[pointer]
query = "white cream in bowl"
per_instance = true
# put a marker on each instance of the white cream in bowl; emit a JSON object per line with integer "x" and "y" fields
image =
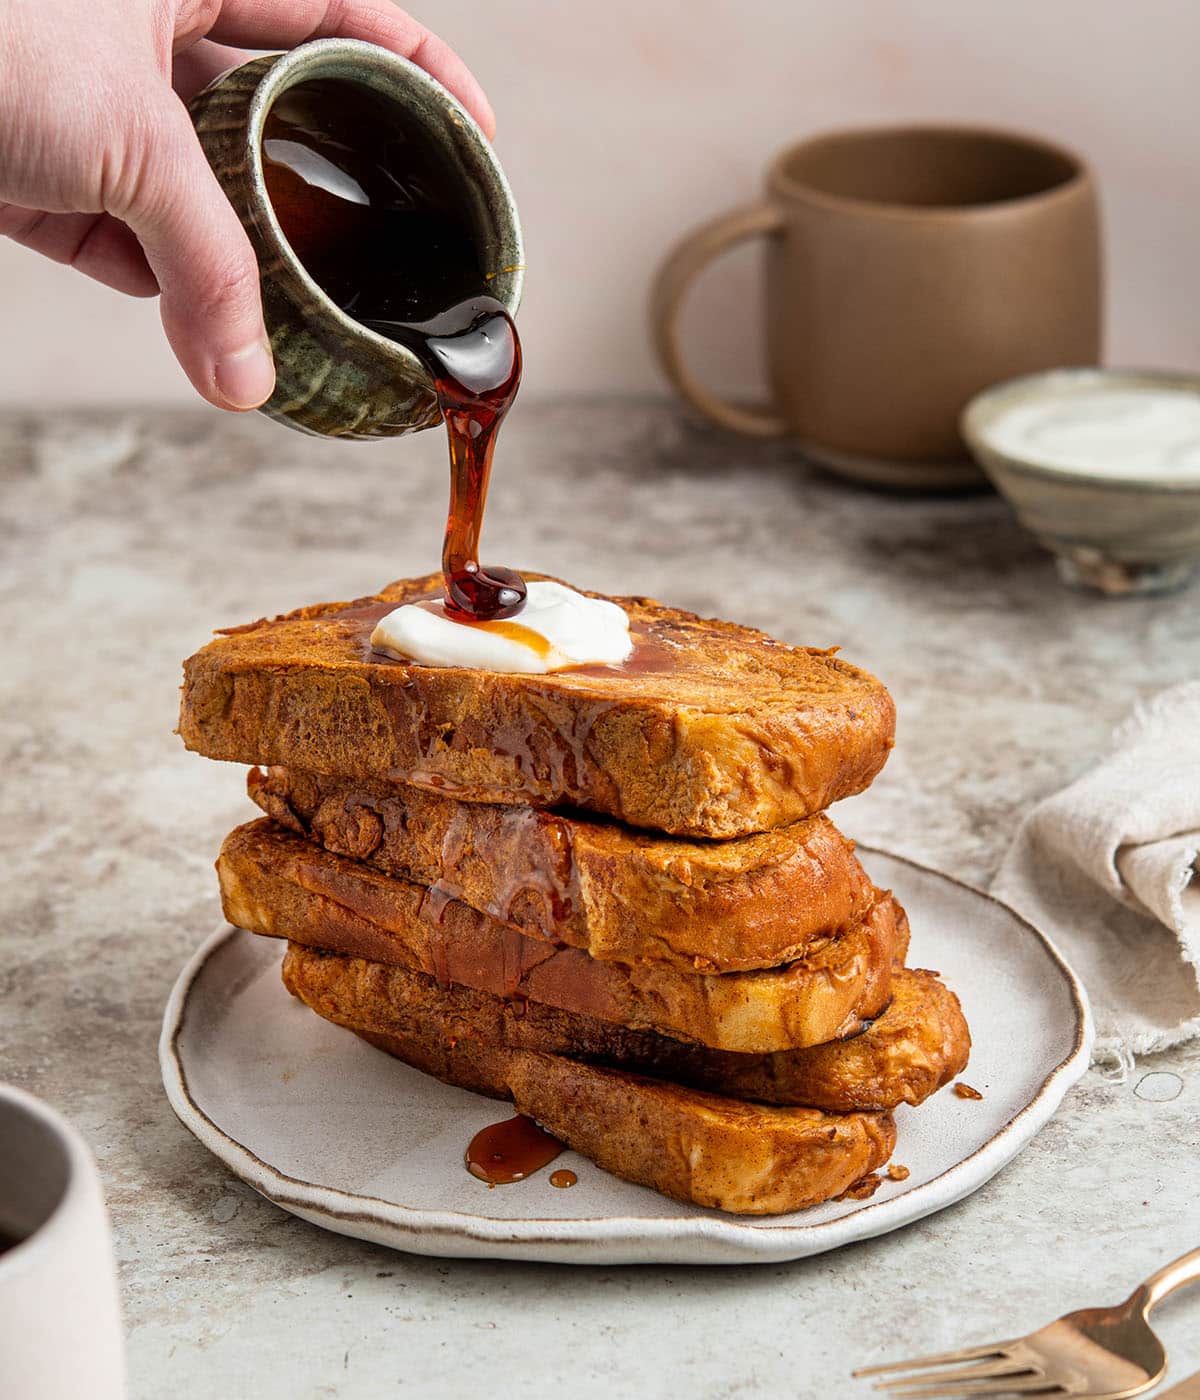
{"x": 1143, "y": 430}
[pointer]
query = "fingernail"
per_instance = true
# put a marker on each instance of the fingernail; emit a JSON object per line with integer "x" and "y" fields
{"x": 246, "y": 377}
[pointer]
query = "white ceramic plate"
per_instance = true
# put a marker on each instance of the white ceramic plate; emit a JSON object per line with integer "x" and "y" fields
{"x": 349, "y": 1138}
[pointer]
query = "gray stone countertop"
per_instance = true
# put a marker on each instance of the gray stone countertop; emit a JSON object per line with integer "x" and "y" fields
{"x": 128, "y": 536}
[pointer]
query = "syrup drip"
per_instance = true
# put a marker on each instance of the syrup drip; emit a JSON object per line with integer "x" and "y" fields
{"x": 523, "y": 636}
{"x": 511, "y": 1151}
{"x": 371, "y": 209}
{"x": 563, "y": 1178}
{"x": 474, "y": 355}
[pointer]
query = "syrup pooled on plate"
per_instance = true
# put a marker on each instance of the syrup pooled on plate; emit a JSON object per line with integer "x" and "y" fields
{"x": 510, "y": 1151}
{"x": 367, "y": 204}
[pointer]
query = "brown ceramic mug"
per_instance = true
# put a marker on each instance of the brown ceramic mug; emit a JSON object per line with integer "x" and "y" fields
{"x": 907, "y": 268}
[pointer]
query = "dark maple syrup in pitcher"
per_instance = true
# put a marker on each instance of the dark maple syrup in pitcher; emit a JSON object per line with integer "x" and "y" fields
{"x": 372, "y": 210}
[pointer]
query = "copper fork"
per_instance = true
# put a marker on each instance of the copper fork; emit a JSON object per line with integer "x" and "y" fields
{"x": 1097, "y": 1353}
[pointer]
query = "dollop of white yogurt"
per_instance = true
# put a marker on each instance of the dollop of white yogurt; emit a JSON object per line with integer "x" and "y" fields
{"x": 1144, "y": 431}
{"x": 556, "y": 629}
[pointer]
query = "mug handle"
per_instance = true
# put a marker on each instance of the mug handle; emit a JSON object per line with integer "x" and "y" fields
{"x": 674, "y": 280}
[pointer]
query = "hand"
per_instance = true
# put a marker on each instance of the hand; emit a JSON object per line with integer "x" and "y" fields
{"x": 100, "y": 167}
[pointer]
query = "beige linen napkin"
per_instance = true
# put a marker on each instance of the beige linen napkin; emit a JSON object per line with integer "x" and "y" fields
{"x": 1108, "y": 869}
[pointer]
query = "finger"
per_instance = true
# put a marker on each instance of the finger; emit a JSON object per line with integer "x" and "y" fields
{"x": 195, "y": 67}
{"x": 96, "y": 244}
{"x": 267, "y": 24}
{"x": 199, "y": 252}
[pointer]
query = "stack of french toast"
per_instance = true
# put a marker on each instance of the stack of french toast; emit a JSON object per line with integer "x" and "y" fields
{"x": 609, "y": 894}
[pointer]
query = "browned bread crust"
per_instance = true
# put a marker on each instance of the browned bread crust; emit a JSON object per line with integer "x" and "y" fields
{"x": 710, "y": 730}
{"x": 918, "y": 1044}
{"x": 621, "y": 895}
{"x": 744, "y": 1158}
{"x": 275, "y": 883}
{"x": 748, "y": 1159}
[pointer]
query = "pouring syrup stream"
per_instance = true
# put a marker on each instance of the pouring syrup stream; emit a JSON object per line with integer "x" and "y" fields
{"x": 376, "y": 216}
{"x": 474, "y": 355}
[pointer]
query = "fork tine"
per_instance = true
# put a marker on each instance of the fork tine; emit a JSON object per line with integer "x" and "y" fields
{"x": 982, "y": 1370}
{"x": 998, "y": 1385}
{"x": 999, "y": 1350}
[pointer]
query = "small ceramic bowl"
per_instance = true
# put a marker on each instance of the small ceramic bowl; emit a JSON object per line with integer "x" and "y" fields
{"x": 1118, "y": 532}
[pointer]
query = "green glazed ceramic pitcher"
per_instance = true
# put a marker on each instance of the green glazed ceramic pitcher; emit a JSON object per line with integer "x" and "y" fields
{"x": 334, "y": 377}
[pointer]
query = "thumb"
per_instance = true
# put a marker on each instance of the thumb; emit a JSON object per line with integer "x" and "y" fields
{"x": 205, "y": 266}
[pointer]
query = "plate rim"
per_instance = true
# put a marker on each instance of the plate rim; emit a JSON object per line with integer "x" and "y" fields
{"x": 755, "y": 1241}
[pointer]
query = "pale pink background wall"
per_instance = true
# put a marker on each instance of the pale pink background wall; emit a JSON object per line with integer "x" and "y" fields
{"x": 624, "y": 123}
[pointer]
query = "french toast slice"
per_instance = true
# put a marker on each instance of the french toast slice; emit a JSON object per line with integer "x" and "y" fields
{"x": 620, "y": 894}
{"x": 917, "y": 1045}
{"x": 710, "y": 729}
{"x": 748, "y": 1159}
{"x": 279, "y": 884}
